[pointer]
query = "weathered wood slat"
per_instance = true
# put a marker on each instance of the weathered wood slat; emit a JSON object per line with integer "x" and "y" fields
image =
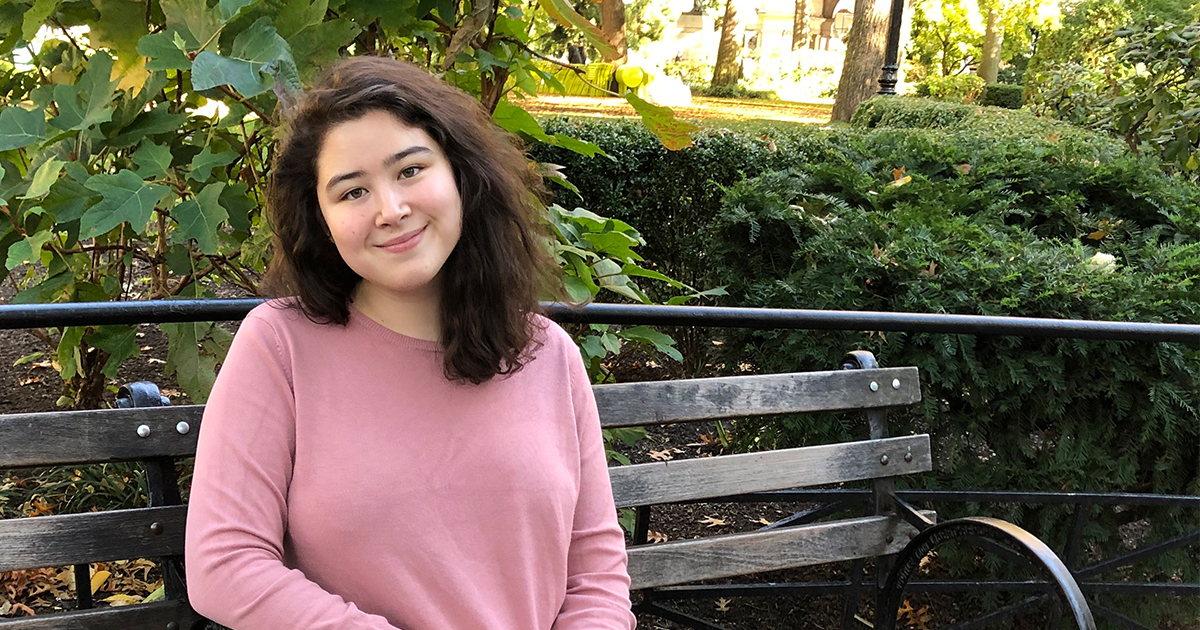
{"x": 634, "y": 404}
{"x": 75, "y": 437}
{"x": 706, "y": 477}
{"x": 739, "y": 554}
{"x": 154, "y": 615}
{"x": 49, "y": 541}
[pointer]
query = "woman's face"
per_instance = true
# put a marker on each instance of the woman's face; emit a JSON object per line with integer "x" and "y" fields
{"x": 388, "y": 194}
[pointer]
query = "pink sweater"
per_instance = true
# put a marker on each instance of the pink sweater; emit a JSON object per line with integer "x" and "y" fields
{"x": 343, "y": 483}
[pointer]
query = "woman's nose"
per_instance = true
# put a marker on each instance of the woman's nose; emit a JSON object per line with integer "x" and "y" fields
{"x": 393, "y": 207}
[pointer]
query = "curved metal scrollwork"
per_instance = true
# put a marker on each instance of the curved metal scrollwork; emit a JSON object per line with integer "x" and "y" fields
{"x": 1035, "y": 551}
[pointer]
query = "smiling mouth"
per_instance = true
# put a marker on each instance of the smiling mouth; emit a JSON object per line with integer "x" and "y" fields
{"x": 404, "y": 242}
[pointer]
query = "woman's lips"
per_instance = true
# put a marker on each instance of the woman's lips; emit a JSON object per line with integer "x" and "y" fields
{"x": 404, "y": 242}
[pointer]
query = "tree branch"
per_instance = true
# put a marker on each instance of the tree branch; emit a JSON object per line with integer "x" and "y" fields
{"x": 227, "y": 91}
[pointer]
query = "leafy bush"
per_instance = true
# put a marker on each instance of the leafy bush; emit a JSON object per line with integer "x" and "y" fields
{"x": 734, "y": 91}
{"x": 1003, "y": 95}
{"x": 1148, "y": 93}
{"x": 958, "y": 88}
{"x": 1003, "y": 412}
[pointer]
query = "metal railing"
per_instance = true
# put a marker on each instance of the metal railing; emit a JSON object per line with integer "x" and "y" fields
{"x": 164, "y": 311}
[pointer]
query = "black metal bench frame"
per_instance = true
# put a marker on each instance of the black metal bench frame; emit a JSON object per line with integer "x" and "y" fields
{"x": 894, "y": 533}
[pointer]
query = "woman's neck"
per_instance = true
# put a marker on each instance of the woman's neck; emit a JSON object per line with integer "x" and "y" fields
{"x": 415, "y": 315}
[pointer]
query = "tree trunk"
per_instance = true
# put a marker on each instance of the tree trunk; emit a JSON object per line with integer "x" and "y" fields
{"x": 612, "y": 24}
{"x": 800, "y": 25}
{"x": 993, "y": 37}
{"x": 864, "y": 57}
{"x": 725, "y": 71}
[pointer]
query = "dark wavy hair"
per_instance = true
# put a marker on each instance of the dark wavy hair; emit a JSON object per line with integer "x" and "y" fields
{"x": 493, "y": 277}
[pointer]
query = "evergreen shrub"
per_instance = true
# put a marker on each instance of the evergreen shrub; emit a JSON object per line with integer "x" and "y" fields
{"x": 992, "y": 212}
{"x": 1003, "y": 95}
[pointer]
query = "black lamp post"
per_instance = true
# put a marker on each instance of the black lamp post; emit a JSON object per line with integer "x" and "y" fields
{"x": 891, "y": 61}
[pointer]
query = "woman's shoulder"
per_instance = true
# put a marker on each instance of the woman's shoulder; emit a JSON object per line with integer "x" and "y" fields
{"x": 280, "y": 317}
{"x": 549, "y": 334}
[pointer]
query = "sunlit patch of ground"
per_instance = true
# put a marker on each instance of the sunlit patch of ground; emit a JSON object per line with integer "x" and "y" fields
{"x": 701, "y": 109}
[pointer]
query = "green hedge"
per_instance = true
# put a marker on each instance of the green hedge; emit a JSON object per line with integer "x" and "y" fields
{"x": 1003, "y": 95}
{"x": 995, "y": 212}
{"x": 960, "y": 88}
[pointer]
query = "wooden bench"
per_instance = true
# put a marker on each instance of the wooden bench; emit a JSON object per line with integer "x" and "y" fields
{"x": 147, "y": 431}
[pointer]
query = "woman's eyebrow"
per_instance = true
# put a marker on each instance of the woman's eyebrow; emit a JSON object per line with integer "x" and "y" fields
{"x": 396, "y": 157}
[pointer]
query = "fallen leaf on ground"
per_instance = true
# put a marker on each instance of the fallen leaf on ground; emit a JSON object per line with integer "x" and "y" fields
{"x": 662, "y": 455}
{"x": 763, "y": 521}
{"x": 656, "y": 537}
{"x": 712, "y": 521}
{"x": 723, "y": 604}
{"x": 98, "y": 579}
{"x": 121, "y": 599}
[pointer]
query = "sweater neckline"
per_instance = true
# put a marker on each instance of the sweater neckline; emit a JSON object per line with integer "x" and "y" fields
{"x": 359, "y": 318}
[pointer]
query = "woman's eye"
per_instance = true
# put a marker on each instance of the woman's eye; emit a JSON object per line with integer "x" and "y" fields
{"x": 354, "y": 193}
{"x": 409, "y": 171}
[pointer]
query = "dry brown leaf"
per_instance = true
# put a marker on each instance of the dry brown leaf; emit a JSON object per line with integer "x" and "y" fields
{"x": 723, "y": 604}
{"x": 712, "y": 521}
{"x": 763, "y": 520}
{"x": 121, "y": 599}
{"x": 656, "y": 537}
{"x": 662, "y": 455}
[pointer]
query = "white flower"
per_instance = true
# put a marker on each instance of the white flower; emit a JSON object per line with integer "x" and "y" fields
{"x": 1101, "y": 262}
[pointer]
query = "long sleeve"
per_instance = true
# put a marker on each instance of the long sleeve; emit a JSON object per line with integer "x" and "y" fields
{"x": 237, "y": 515}
{"x": 597, "y": 594}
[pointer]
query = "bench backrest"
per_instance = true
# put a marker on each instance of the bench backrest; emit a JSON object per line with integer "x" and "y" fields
{"x": 160, "y": 434}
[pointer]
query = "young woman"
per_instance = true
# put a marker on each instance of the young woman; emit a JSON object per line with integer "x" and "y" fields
{"x": 405, "y": 444}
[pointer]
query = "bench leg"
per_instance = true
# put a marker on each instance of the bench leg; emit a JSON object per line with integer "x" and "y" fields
{"x": 1060, "y": 580}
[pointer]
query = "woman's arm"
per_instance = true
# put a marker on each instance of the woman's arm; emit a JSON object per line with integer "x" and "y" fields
{"x": 597, "y": 575}
{"x": 237, "y": 514}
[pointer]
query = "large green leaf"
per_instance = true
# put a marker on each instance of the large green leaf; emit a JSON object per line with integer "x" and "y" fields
{"x": 20, "y": 127}
{"x": 127, "y": 198}
{"x": 120, "y": 25}
{"x": 565, "y": 14}
{"x": 163, "y": 51}
{"x": 88, "y": 102}
{"x": 156, "y": 121}
{"x": 28, "y": 249}
{"x": 37, "y": 16}
{"x": 67, "y": 354}
{"x": 196, "y": 22}
{"x": 52, "y": 289}
{"x": 120, "y": 342}
{"x": 256, "y": 50}
{"x": 675, "y": 134}
{"x": 516, "y": 120}
{"x": 152, "y": 160}
{"x": 43, "y": 178}
{"x": 200, "y": 217}
{"x": 297, "y": 15}
{"x": 193, "y": 351}
{"x": 316, "y": 46}
{"x": 205, "y": 161}
{"x": 67, "y": 199}
{"x": 231, "y": 9}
